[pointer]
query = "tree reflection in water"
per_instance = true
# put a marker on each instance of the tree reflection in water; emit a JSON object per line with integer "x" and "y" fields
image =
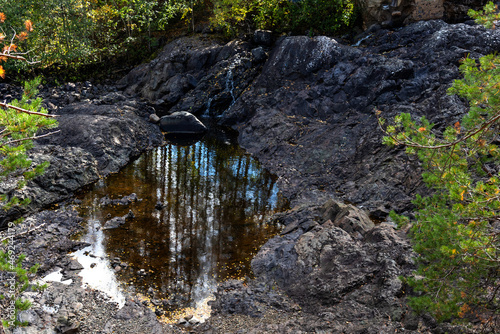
{"x": 216, "y": 204}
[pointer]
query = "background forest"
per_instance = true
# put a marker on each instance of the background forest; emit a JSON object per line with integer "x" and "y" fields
{"x": 70, "y": 35}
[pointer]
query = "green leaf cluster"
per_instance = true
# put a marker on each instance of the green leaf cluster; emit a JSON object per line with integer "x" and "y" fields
{"x": 456, "y": 230}
{"x": 20, "y": 122}
{"x": 17, "y": 129}
{"x": 18, "y": 285}
{"x": 487, "y": 17}
{"x": 283, "y": 16}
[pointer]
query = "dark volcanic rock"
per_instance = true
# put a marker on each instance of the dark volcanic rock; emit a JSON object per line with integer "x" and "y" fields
{"x": 117, "y": 221}
{"x": 94, "y": 139}
{"x": 181, "y": 122}
{"x": 125, "y": 200}
{"x": 263, "y": 37}
{"x": 328, "y": 267}
{"x": 196, "y": 75}
{"x": 113, "y": 134}
{"x": 308, "y": 115}
{"x": 456, "y": 10}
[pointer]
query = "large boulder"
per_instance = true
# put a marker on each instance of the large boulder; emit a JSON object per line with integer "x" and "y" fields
{"x": 195, "y": 74}
{"x": 182, "y": 122}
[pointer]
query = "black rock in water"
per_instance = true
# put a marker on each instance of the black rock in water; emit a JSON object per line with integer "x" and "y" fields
{"x": 182, "y": 122}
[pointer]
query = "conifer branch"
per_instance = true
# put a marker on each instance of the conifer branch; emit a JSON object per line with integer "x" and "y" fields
{"x": 5, "y": 105}
{"x": 29, "y": 138}
{"x": 411, "y": 143}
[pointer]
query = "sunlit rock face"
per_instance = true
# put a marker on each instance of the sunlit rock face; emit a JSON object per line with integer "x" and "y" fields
{"x": 385, "y": 12}
{"x": 397, "y": 12}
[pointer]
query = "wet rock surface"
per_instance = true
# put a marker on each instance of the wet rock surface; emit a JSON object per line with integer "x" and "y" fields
{"x": 68, "y": 306}
{"x": 96, "y": 137}
{"x": 197, "y": 75}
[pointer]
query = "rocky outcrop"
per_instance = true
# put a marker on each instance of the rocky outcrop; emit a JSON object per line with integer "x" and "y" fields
{"x": 96, "y": 137}
{"x": 389, "y": 13}
{"x": 349, "y": 275}
{"x": 196, "y": 75}
{"x": 309, "y": 117}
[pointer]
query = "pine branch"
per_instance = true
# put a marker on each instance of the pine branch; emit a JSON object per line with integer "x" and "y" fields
{"x": 5, "y": 105}
{"x": 29, "y": 138}
{"x": 410, "y": 143}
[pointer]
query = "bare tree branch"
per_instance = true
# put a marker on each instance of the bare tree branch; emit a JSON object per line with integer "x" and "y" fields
{"x": 29, "y": 138}
{"x": 24, "y": 232}
{"x": 5, "y": 105}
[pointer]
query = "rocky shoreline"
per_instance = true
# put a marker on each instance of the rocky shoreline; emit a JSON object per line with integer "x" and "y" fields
{"x": 304, "y": 107}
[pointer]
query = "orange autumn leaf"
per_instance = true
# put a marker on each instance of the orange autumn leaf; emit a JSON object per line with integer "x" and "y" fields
{"x": 2, "y": 17}
{"x": 2, "y": 72}
{"x": 422, "y": 129}
{"x": 28, "y": 25}
{"x": 22, "y": 36}
{"x": 2, "y": 58}
{"x": 457, "y": 127}
{"x": 9, "y": 48}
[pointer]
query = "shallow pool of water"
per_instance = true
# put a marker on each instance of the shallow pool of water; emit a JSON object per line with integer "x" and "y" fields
{"x": 202, "y": 213}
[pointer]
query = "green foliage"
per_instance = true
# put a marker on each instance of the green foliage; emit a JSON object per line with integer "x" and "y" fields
{"x": 273, "y": 15}
{"x": 15, "y": 282}
{"x": 74, "y": 33}
{"x": 232, "y": 16}
{"x": 17, "y": 130}
{"x": 282, "y": 16}
{"x": 20, "y": 122}
{"x": 322, "y": 16}
{"x": 62, "y": 31}
{"x": 487, "y": 17}
{"x": 455, "y": 232}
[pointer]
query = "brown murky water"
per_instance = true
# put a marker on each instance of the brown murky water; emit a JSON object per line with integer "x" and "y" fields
{"x": 217, "y": 201}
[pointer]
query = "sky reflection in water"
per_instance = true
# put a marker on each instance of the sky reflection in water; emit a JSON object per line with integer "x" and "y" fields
{"x": 216, "y": 204}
